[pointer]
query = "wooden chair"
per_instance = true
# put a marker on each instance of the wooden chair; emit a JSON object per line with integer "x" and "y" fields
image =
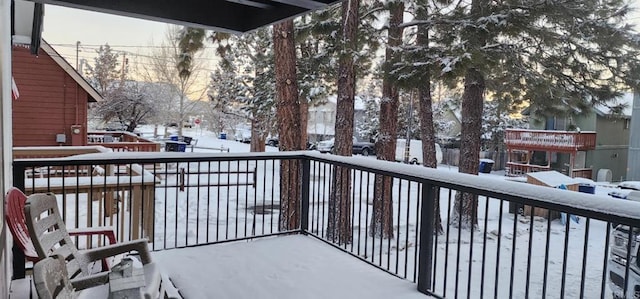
{"x": 50, "y": 236}
{"x": 14, "y": 212}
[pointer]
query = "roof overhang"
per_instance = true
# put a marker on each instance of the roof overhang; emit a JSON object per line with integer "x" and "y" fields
{"x": 234, "y": 16}
{"x": 26, "y": 23}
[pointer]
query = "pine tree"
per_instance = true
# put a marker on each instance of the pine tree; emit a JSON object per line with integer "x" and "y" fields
{"x": 338, "y": 225}
{"x": 105, "y": 72}
{"x": 243, "y": 85}
{"x": 289, "y": 130}
{"x": 382, "y": 220}
{"x": 577, "y": 53}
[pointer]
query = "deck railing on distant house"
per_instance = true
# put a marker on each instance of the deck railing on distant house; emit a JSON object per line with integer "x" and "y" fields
{"x": 193, "y": 199}
{"x": 120, "y": 141}
{"x": 543, "y": 140}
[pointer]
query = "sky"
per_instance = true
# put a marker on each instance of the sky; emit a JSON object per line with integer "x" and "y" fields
{"x": 134, "y": 38}
{"x": 63, "y": 27}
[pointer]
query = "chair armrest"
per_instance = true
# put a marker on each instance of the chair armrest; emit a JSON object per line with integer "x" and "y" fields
{"x": 92, "y": 231}
{"x": 84, "y": 282}
{"x": 139, "y": 245}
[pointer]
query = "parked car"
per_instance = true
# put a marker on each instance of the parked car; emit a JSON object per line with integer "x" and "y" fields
{"x": 617, "y": 262}
{"x": 359, "y": 147}
{"x": 185, "y": 124}
{"x": 272, "y": 141}
{"x": 243, "y": 136}
{"x": 415, "y": 151}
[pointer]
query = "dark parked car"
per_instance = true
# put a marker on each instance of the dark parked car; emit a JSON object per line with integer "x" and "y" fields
{"x": 272, "y": 141}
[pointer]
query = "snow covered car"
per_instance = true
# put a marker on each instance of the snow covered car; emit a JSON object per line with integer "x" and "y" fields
{"x": 415, "y": 151}
{"x": 243, "y": 136}
{"x": 359, "y": 147}
{"x": 325, "y": 146}
{"x": 617, "y": 262}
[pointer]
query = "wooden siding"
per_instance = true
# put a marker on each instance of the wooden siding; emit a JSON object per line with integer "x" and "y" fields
{"x": 50, "y": 101}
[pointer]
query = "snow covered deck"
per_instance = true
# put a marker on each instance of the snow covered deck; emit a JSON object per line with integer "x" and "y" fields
{"x": 279, "y": 267}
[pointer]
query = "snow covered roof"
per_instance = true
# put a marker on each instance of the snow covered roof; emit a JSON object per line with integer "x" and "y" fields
{"x": 625, "y": 101}
{"x": 552, "y": 178}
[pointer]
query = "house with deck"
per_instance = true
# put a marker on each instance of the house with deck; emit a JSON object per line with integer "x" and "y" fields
{"x": 593, "y": 145}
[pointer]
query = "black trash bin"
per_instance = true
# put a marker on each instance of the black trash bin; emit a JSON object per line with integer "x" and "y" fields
{"x": 486, "y": 165}
{"x": 587, "y": 188}
{"x": 187, "y": 139}
{"x": 175, "y": 146}
{"x": 171, "y": 146}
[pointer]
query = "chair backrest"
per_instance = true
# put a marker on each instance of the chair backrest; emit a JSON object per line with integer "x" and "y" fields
{"x": 14, "y": 211}
{"x": 51, "y": 278}
{"x": 49, "y": 233}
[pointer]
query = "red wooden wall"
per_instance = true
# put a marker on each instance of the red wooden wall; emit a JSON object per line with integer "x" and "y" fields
{"x": 50, "y": 102}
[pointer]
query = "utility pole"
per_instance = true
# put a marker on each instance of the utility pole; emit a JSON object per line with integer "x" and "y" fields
{"x": 124, "y": 64}
{"x": 80, "y": 70}
{"x": 77, "y": 51}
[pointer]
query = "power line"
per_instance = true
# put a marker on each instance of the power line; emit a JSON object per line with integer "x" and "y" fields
{"x": 88, "y": 50}
{"x": 136, "y": 62}
{"x": 122, "y": 46}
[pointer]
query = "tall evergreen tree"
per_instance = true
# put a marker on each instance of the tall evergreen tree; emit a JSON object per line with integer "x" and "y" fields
{"x": 104, "y": 73}
{"x": 339, "y": 223}
{"x": 289, "y": 130}
{"x": 382, "y": 220}
{"x": 545, "y": 53}
{"x": 244, "y": 85}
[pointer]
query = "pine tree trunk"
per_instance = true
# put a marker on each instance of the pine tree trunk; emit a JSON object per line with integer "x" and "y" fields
{"x": 466, "y": 204}
{"x": 339, "y": 223}
{"x": 382, "y": 220}
{"x": 288, "y": 114}
{"x": 465, "y": 209}
{"x": 427, "y": 129}
{"x": 304, "y": 121}
{"x": 257, "y": 139}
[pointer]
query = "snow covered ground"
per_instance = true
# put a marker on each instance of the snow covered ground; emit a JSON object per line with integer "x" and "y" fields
{"x": 467, "y": 264}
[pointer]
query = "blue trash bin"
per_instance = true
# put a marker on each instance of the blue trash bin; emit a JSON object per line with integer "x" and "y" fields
{"x": 586, "y": 188}
{"x": 485, "y": 165}
{"x": 173, "y": 137}
{"x": 223, "y": 136}
{"x": 182, "y": 147}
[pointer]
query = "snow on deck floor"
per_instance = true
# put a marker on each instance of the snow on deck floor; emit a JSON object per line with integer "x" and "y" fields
{"x": 280, "y": 267}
